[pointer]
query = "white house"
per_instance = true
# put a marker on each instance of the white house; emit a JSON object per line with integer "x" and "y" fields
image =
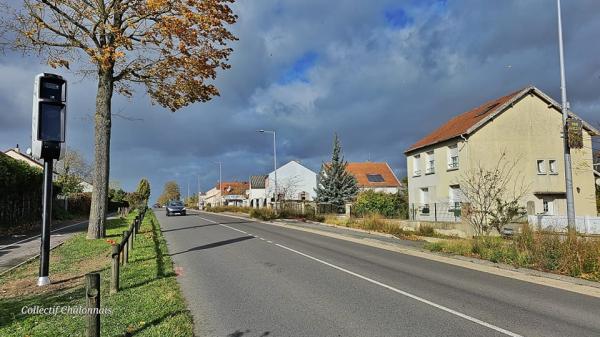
{"x": 257, "y": 194}
{"x": 294, "y": 182}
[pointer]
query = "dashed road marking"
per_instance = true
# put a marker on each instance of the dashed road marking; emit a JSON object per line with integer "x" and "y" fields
{"x": 407, "y": 294}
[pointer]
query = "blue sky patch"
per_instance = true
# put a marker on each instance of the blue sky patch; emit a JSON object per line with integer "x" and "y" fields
{"x": 397, "y": 18}
{"x": 299, "y": 69}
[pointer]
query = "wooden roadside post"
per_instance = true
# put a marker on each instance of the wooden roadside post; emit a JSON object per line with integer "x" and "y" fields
{"x": 125, "y": 247}
{"x": 114, "y": 275}
{"x": 92, "y": 300}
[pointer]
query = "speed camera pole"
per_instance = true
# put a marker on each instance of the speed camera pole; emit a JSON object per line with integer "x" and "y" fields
{"x": 46, "y": 223}
{"x": 47, "y": 137}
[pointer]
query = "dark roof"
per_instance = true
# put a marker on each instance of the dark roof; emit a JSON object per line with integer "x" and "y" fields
{"x": 258, "y": 181}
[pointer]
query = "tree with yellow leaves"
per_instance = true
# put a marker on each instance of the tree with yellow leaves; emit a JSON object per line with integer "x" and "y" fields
{"x": 173, "y": 48}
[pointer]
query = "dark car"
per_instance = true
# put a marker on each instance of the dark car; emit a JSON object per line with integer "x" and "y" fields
{"x": 175, "y": 207}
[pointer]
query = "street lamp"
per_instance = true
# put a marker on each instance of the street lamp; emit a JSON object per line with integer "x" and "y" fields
{"x": 220, "y": 177}
{"x": 275, "y": 196}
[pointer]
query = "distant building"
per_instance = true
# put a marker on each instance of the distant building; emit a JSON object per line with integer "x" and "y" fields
{"x": 257, "y": 195}
{"x": 526, "y": 126}
{"x": 295, "y": 182}
{"x": 230, "y": 193}
{"x": 377, "y": 177}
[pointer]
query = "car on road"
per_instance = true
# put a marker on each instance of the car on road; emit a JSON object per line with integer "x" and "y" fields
{"x": 175, "y": 207}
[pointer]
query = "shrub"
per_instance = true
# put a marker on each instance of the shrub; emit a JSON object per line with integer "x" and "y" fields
{"x": 265, "y": 214}
{"x": 232, "y": 209}
{"x": 426, "y": 230}
{"x": 388, "y": 205}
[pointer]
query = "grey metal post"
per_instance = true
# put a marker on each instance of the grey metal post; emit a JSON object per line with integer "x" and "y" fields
{"x": 46, "y": 224}
{"x": 92, "y": 300}
{"x": 275, "y": 165}
{"x": 565, "y": 109}
{"x": 114, "y": 274}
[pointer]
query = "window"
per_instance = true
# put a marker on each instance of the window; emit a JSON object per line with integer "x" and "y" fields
{"x": 545, "y": 203}
{"x": 417, "y": 165}
{"x": 541, "y": 167}
{"x": 430, "y": 164}
{"x": 424, "y": 196}
{"x": 452, "y": 157}
{"x": 552, "y": 165}
{"x": 454, "y": 196}
{"x": 375, "y": 178}
{"x": 303, "y": 196}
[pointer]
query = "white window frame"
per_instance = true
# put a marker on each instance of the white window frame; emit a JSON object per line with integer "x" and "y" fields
{"x": 454, "y": 196}
{"x": 540, "y": 170}
{"x": 550, "y": 169}
{"x": 453, "y": 162}
{"x": 430, "y": 162}
{"x": 416, "y": 165}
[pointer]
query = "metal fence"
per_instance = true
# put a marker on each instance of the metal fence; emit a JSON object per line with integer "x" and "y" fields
{"x": 436, "y": 212}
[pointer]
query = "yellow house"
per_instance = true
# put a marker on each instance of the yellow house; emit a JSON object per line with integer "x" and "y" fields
{"x": 526, "y": 126}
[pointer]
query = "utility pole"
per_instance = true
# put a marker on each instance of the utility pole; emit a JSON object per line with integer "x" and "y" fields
{"x": 565, "y": 112}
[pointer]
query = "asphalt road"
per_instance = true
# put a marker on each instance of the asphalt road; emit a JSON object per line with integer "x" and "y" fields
{"x": 243, "y": 278}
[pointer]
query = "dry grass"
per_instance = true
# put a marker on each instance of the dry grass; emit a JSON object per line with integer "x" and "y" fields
{"x": 232, "y": 209}
{"x": 372, "y": 222}
{"x": 567, "y": 255}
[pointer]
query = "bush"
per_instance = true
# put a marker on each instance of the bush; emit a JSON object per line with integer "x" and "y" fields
{"x": 388, "y": 205}
{"x": 232, "y": 209}
{"x": 265, "y": 214}
{"x": 426, "y": 230}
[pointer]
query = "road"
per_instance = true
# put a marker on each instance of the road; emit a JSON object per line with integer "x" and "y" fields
{"x": 15, "y": 250}
{"x": 244, "y": 278}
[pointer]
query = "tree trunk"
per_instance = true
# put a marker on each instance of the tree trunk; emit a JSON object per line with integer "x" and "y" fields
{"x": 102, "y": 122}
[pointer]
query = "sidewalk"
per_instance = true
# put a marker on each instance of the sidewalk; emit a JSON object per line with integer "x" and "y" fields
{"x": 15, "y": 250}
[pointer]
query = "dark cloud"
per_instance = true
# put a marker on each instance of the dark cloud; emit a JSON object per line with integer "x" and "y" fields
{"x": 379, "y": 73}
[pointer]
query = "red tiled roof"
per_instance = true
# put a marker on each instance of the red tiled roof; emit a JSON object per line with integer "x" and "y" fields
{"x": 233, "y": 187}
{"x": 460, "y": 124}
{"x": 361, "y": 170}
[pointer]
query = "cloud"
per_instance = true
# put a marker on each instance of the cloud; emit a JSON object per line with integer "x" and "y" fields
{"x": 379, "y": 73}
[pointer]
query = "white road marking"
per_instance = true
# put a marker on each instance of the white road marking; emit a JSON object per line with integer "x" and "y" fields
{"x": 269, "y": 241}
{"x": 37, "y": 236}
{"x": 404, "y": 293}
{"x": 262, "y": 239}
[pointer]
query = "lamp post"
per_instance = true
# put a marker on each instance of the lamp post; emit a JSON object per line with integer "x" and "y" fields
{"x": 275, "y": 196}
{"x": 220, "y": 178}
{"x": 565, "y": 111}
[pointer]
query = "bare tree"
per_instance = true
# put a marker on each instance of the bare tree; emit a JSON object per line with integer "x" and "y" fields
{"x": 493, "y": 195}
{"x": 172, "y": 47}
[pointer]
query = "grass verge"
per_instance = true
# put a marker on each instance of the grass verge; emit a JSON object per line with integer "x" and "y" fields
{"x": 573, "y": 255}
{"x": 231, "y": 209}
{"x": 149, "y": 302}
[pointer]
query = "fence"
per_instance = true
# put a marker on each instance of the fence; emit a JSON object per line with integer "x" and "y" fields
{"x": 558, "y": 223}
{"x": 436, "y": 212}
{"x": 120, "y": 251}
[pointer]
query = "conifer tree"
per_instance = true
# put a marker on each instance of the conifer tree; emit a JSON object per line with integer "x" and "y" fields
{"x": 335, "y": 185}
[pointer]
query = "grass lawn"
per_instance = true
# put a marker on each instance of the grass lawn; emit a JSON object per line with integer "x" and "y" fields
{"x": 149, "y": 302}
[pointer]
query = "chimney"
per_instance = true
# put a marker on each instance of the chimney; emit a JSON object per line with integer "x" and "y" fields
{"x": 17, "y": 149}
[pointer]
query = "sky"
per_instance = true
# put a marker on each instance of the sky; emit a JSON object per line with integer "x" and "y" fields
{"x": 381, "y": 74}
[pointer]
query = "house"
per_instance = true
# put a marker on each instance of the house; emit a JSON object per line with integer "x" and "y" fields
{"x": 377, "y": 177}
{"x": 295, "y": 182}
{"x": 227, "y": 193}
{"x": 526, "y": 125}
{"x": 257, "y": 195}
{"x": 16, "y": 153}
